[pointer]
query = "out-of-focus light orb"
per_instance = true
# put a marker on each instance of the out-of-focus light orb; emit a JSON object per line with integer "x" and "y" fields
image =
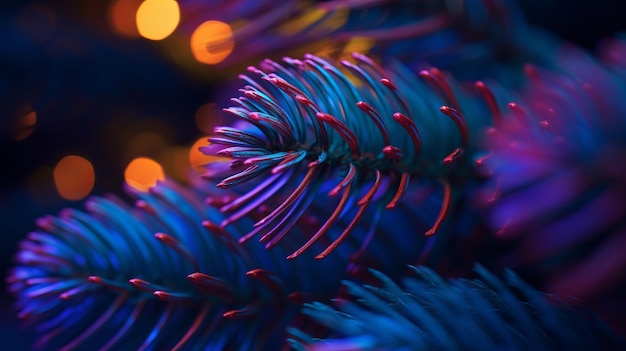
{"x": 143, "y": 173}
{"x": 157, "y": 19}
{"x": 122, "y": 17}
{"x": 206, "y": 117}
{"x": 212, "y": 42}
{"x": 175, "y": 163}
{"x": 24, "y": 125}
{"x": 197, "y": 159}
{"x": 74, "y": 177}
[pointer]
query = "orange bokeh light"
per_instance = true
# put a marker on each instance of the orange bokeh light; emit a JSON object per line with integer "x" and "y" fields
{"x": 175, "y": 163}
{"x": 212, "y": 42}
{"x": 74, "y": 177}
{"x": 197, "y": 159}
{"x": 157, "y": 19}
{"x": 122, "y": 17}
{"x": 205, "y": 117}
{"x": 143, "y": 173}
{"x": 24, "y": 125}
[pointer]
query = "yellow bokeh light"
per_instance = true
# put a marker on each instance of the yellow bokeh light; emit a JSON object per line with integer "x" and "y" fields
{"x": 143, "y": 173}
{"x": 336, "y": 20}
{"x": 303, "y": 21}
{"x": 74, "y": 177}
{"x": 197, "y": 159}
{"x": 362, "y": 45}
{"x": 212, "y": 42}
{"x": 157, "y": 19}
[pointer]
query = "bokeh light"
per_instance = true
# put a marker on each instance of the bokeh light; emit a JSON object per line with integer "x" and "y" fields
{"x": 157, "y": 19}
{"x": 74, "y": 177}
{"x": 143, "y": 173}
{"x": 24, "y": 125}
{"x": 212, "y": 42}
{"x": 206, "y": 116}
{"x": 122, "y": 17}
{"x": 197, "y": 159}
{"x": 175, "y": 163}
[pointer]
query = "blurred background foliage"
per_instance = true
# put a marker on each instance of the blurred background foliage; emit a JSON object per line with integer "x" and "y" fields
{"x": 77, "y": 78}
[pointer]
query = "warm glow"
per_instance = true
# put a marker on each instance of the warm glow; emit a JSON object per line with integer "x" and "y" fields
{"x": 303, "y": 21}
{"x": 212, "y": 42}
{"x": 361, "y": 45}
{"x": 122, "y": 17}
{"x": 157, "y": 19}
{"x": 175, "y": 162}
{"x": 148, "y": 144}
{"x": 197, "y": 159}
{"x": 143, "y": 173}
{"x": 206, "y": 117}
{"x": 74, "y": 177}
{"x": 24, "y": 125}
{"x": 316, "y": 20}
{"x": 336, "y": 20}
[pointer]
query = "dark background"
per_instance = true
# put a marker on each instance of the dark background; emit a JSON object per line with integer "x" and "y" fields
{"x": 91, "y": 88}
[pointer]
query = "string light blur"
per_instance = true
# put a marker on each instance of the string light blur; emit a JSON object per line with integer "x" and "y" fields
{"x": 212, "y": 42}
{"x": 175, "y": 163}
{"x": 24, "y": 125}
{"x": 143, "y": 173}
{"x": 122, "y": 15}
{"x": 157, "y": 19}
{"x": 74, "y": 177}
{"x": 206, "y": 117}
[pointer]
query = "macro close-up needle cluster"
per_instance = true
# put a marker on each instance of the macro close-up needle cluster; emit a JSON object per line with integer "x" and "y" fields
{"x": 334, "y": 175}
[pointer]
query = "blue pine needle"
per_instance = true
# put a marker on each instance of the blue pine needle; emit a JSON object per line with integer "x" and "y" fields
{"x": 429, "y": 312}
